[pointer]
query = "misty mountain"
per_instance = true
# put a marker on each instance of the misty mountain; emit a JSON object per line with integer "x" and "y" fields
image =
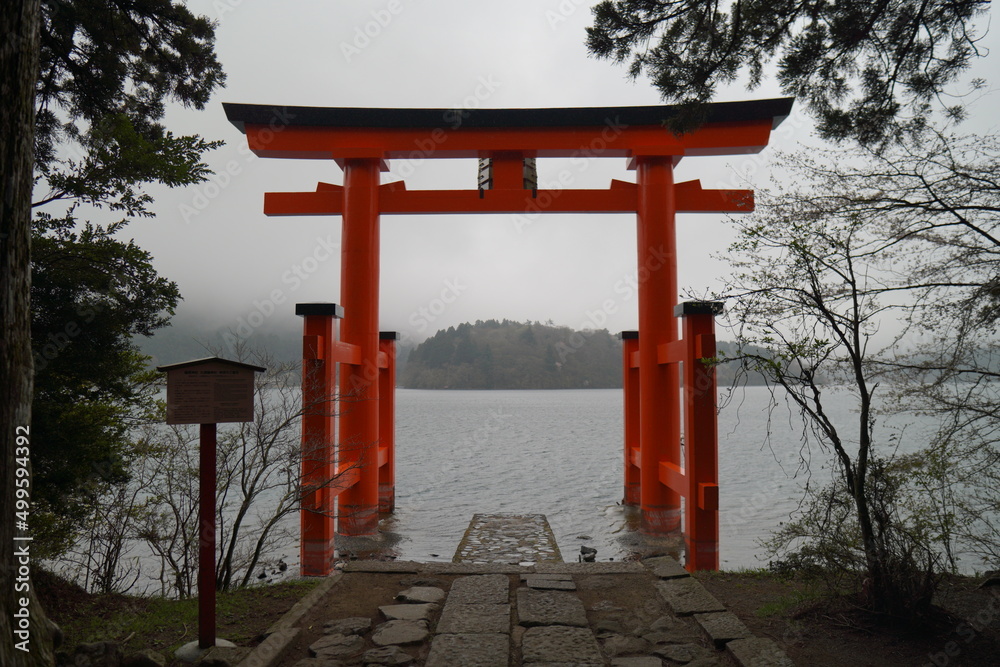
{"x": 514, "y": 355}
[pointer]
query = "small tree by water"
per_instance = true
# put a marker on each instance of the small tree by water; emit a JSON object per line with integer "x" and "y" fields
{"x": 258, "y": 492}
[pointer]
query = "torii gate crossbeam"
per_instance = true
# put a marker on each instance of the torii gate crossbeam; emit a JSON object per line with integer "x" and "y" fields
{"x": 362, "y": 140}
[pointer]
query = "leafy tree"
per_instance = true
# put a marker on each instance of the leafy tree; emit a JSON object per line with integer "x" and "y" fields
{"x": 864, "y": 69}
{"x": 19, "y": 28}
{"x": 107, "y": 70}
{"x": 933, "y": 205}
{"x": 862, "y": 241}
{"x": 805, "y": 287}
{"x": 92, "y": 294}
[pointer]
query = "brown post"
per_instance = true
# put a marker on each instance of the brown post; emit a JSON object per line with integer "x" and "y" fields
{"x": 206, "y": 537}
{"x": 207, "y": 392}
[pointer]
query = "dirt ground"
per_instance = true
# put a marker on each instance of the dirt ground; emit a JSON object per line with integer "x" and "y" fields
{"x": 819, "y": 632}
{"x": 813, "y": 631}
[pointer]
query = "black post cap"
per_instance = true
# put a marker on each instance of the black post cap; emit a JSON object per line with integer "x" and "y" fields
{"x": 322, "y": 308}
{"x": 699, "y": 308}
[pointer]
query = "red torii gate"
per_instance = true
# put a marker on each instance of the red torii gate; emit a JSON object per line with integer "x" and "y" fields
{"x": 361, "y": 140}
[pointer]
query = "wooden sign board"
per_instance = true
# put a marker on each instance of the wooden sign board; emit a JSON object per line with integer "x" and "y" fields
{"x": 209, "y": 391}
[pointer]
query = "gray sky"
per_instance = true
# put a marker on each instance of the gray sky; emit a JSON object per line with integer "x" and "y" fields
{"x": 231, "y": 261}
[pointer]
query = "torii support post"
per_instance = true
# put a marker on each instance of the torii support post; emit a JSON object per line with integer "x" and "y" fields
{"x": 359, "y": 423}
{"x": 316, "y": 544}
{"x": 701, "y": 444}
{"x": 630, "y": 370}
{"x": 659, "y": 400}
{"x": 387, "y": 421}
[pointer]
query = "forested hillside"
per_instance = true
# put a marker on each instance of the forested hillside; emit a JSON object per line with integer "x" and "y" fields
{"x": 523, "y": 355}
{"x": 514, "y": 355}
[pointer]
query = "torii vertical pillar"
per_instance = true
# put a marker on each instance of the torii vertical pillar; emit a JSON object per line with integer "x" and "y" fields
{"x": 387, "y": 423}
{"x": 318, "y": 432}
{"x": 701, "y": 435}
{"x": 659, "y": 396}
{"x": 630, "y": 352}
{"x": 359, "y": 284}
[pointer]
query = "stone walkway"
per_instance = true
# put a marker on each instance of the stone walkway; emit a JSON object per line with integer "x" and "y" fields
{"x": 508, "y": 599}
{"x": 515, "y": 539}
{"x": 648, "y": 614}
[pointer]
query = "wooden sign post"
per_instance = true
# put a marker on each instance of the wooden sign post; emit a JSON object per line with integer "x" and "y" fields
{"x": 207, "y": 392}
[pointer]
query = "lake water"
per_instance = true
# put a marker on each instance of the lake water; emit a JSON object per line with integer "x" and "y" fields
{"x": 559, "y": 453}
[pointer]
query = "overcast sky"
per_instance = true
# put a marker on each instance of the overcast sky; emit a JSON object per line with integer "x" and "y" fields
{"x": 229, "y": 260}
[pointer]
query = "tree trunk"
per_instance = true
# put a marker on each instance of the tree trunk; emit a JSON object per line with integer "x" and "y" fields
{"x": 25, "y": 632}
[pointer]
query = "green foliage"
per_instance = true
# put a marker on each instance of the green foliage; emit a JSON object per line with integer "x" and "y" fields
{"x": 826, "y": 542}
{"x": 118, "y": 159}
{"x": 159, "y": 623}
{"x": 107, "y": 70}
{"x": 863, "y": 68}
{"x": 91, "y": 294}
{"x": 514, "y": 355}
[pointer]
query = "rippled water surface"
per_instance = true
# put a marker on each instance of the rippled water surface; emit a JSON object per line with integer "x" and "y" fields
{"x": 559, "y": 453}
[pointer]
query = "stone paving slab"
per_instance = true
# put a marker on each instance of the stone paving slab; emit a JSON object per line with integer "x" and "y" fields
{"x": 508, "y": 538}
{"x": 384, "y": 655}
{"x": 543, "y": 582}
{"x": 421, "y": 595}
{"x": 486, "y": 589}
{"x": 757, "y": 652}
{"x": 474, "y": 618}
{"x": 644, "y": 661}
{"x": 560, "y": 644}
{"x": 610, "y": 567}
{"x": 687, "y": 596}
{"x": 408, "y": 612}
{"x": 549, "y": 576}
{"x": 302, "y": 607}
{"x": 474, "y": 568}
{"x": 469, "y": 650}
{"x": 337, "y": 646}
{"x": 400, "y": 632}
{"x": 354, "y": 625}
{"x": 666, "y": 567}
{"x": 722, "y": 627}
{"x": 378, "y": 566}
{"x": 549, "y": 608}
